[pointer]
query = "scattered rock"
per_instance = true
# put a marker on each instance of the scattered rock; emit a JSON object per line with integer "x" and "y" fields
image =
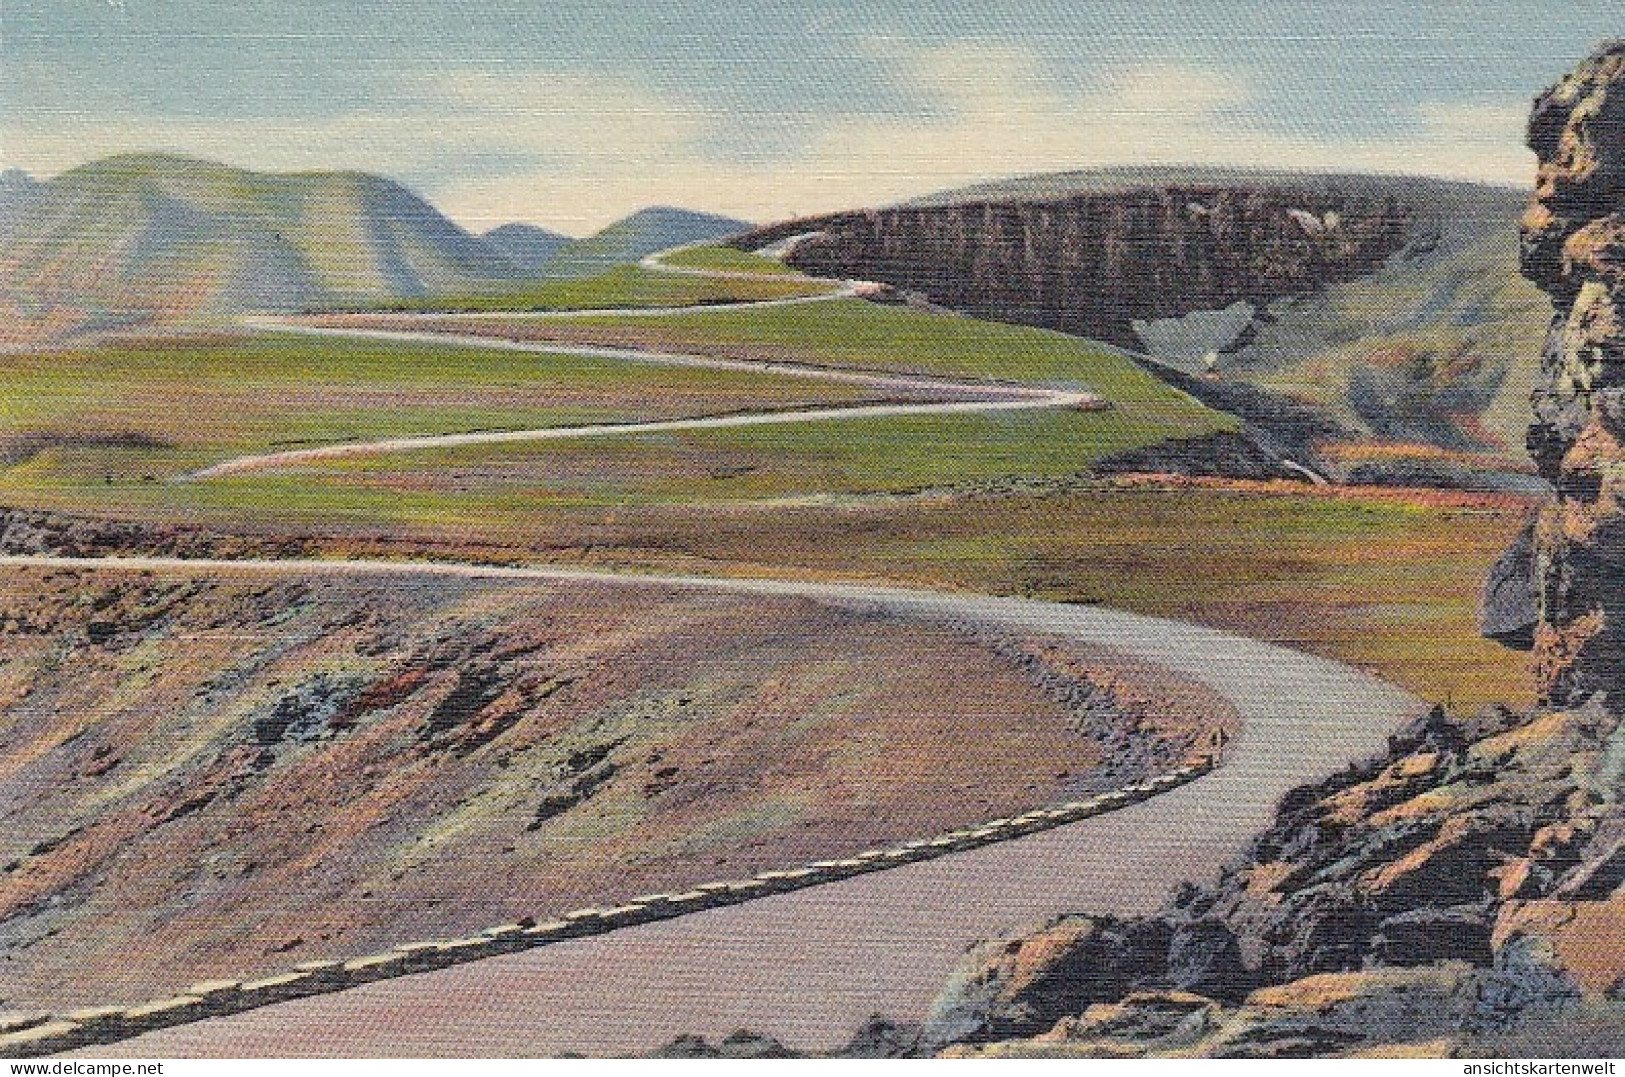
{"x": 740, "y": 1044}
{"x": 477, "y": 686}
{"x": 1151, "y": 1018}
{"x": 881, "y": 1037}
{"x": 1019, "y": 987}
{"x": 1222, "y": 455}
{"x": 308, "y": 712}
{"x": 1510, "y": 604}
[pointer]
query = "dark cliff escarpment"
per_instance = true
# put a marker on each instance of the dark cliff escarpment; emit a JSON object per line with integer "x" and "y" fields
{"x": 1574, "y": 249}
{"x": 1093, "y": 263}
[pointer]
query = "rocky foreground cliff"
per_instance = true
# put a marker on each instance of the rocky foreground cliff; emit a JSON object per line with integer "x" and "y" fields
{"x": 1574, "y": 248}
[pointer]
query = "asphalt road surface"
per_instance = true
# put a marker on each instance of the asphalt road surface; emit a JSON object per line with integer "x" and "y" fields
{"x": 808, "y": 967}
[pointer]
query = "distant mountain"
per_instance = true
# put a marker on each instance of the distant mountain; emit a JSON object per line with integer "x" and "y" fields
{"x": 640, "y": 235}
{"x": 18, "y": 191}
{"x": 172, "y": 235}
{"x": 526, "y": 246}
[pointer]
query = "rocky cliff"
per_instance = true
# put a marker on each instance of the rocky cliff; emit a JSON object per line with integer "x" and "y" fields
{"x": 1462, "y": 888}
{"x": 1094, "y": 263}
{"x": 1574, "y": 249}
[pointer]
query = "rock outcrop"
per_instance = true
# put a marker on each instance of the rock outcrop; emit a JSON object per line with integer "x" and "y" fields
{"x": 1094, "y": 263}
{"x": 1471, "y": 879}
{"x": 1461, "y": 894}
{"x": 1574, "y": 248}
{"x": 1510, "y": 608}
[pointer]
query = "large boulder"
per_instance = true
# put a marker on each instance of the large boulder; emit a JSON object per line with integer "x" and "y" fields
{"x": 1204, "y": 957}
{"x": 1511, "y": 606}
{"x": 1021, "y": 986}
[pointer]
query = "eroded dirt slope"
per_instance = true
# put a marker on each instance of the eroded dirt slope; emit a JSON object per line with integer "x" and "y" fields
{"x": 208, "y": 776}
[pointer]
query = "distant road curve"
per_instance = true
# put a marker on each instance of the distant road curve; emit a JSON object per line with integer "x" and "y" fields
{"x": 656, "y": 262}
{"x": 968, "y": 396}
{"x": 810, "y": 966}
{"x": 972, "y": 397}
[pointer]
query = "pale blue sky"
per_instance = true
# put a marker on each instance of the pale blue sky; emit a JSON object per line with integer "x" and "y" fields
{"x": 570, "y": 113}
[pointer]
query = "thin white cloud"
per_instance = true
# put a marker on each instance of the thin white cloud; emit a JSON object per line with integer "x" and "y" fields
{"x": 579, "y": 151}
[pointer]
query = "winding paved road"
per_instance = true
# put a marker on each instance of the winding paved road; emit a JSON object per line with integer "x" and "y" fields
{"x": 973, "y": 397}
{"x": 965, "y": 396}
{"x": 809, "y": 966}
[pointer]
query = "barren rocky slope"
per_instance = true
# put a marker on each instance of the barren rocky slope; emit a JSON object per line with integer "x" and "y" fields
{"x": 208, "y": 774}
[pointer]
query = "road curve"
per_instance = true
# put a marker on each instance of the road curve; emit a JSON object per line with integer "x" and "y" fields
{"x": 809, "y": 966}
{"x": 657, "y": 263}
{"x": 969, "y": 398}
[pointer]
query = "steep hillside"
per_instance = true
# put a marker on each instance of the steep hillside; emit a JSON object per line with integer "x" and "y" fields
{"x": 18, "y": 191}
{"x": 210, "y": 775}
{"x": 173, "y": 235}
{"x": 1432, "y": 347}
{"x": 643, "y": 233}
{"x": 1392, "y": 303}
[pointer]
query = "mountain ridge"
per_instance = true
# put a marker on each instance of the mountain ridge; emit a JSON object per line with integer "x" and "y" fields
{"x": 168, "y": 236}
{"x": 645, "y": 232}
{"x": 172, "y": 234}
{"x": 527, "y": 246}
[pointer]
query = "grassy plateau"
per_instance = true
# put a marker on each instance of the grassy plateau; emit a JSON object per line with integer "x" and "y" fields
{"x": 995, "y": 502}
